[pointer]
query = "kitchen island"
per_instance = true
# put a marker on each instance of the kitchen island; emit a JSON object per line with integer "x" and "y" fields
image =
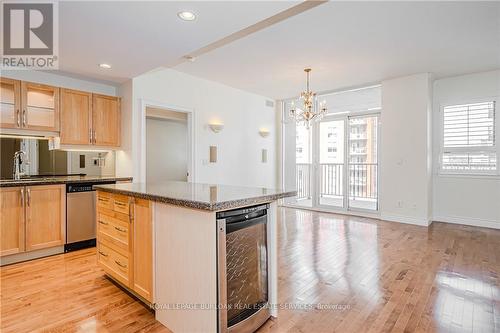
{"x": 203, "y": 255}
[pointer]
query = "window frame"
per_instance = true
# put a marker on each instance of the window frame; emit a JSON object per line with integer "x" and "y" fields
{"x": 494, "y": 149}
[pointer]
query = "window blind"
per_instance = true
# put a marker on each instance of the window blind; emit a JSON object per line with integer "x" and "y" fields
{"x": 469, "y": 138}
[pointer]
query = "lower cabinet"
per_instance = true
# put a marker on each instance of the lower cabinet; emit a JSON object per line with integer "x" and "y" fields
{"x": 45, "y": 216}
{"x": 32, "y": 218}
{"x": 12, "y": 220}
{"x": 124, "y": 241}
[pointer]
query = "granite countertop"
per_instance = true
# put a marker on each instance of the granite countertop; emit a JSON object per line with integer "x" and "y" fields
{"x": 198, "y": 196}
{"x": 50, "y": 180}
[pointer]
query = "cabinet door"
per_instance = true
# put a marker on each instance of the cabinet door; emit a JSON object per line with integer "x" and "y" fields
{"x": 45, "y": 216}
{"x": 11, "y": 220}
{"x": 40, "y": 107}
{"x": 106, "y": 120}
{"x": 143, "y": 249}
{"x": 10, "y": 99}
{"x": 76, "y": 117}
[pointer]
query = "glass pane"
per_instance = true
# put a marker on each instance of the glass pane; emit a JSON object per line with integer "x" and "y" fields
{"x": 331, "y": 163}
{"x": 7, "y": 113}
{"x": 303, "y": 168}
{"x": 7, "y": 93}
{"x": 246, "y": 256}
{"x": 40, "y": 116}
{"x": 40, "y": 98}
{"x": 363, "y": 162}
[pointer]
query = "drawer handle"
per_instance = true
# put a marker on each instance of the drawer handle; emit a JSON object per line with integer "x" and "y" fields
{"x": 120, "y": 229}
{"x": 103, "y": 254}
{"x": 120, "y": 264}
{"x": 103, "y": 199}
{"x": 120, "y": 203}
{"x": 105, "y": 223}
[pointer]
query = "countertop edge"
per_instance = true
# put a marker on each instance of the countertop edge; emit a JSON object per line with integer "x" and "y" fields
{"x": 61, "y": 181}
{"x": 224, "y": 205}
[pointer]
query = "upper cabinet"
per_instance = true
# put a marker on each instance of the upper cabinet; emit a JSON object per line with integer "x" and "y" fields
{"x": 39, "y": 107}
{"x": 80, "y": 118}
{"x": 89, "y": 119}
{"x": 76, "y": 117}
{"x": 10, "y": 98}
{"x": 106, "y": 120}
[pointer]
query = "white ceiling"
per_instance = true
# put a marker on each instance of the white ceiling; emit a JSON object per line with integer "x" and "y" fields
{"x": 354, "y": 43}
{"x": 135, "y": 37}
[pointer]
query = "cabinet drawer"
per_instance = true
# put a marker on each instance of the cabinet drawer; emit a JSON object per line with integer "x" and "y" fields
{"x": 114, "y": 263}
{"x": 116, "y": 229}
{"x": 105, "y": 200}
{"x": 121, "y": 204}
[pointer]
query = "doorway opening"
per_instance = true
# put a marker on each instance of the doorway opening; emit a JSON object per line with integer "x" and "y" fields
{"x": 167, "y": 145}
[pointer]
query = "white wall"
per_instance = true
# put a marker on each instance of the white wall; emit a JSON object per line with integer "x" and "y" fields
{"x": 60, "y": 80}
{"x": 469, "y": 200}
{"x": 166, "y": 150}
{"x": 405, "y": 153}
{"x": 239, "y": 144}
{"x": 124, "y": 161}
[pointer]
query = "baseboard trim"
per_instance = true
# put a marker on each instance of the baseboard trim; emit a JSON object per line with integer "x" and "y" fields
{"x": 374, "y": 215}
{"x": 471, "y": 221}
{"x": 25, "y": 256}
{"x": 405, "y": 219}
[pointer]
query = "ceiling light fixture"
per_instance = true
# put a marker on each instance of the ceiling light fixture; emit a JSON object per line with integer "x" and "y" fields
{"x": 311, "y": 109}
{"x": 105, "y": 66}
{"x": 186, "y": 16}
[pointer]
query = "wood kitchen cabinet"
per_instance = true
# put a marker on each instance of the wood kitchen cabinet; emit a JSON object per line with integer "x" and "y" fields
{"x": 45, "y": 216}
{"x": 39, "y": 107}
{"x": 124, "y": 241}
{"x": 143, "y": 249}
{"x": 106, "y": 120}
{"x": 76, "y": 117}
{"x": 10, "y": 99}
{"x": 12, "y": 220}
{"x": 32, "y": 218}
{"x": 90, "y": 119}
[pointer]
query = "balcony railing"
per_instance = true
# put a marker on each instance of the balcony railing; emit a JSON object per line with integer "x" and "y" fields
{"x": 363, "y": 180}
{"x": 303, "y": 181}
{"x": 331, "y": 179}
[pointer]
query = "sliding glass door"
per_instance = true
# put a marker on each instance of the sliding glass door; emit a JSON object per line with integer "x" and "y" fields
{"x": 336, "y": 163}
{"x": 333, "y": 165}
{"x": 363, "y": 162}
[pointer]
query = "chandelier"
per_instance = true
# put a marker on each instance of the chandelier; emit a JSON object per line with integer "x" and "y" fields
{"x": 310, "y": 109}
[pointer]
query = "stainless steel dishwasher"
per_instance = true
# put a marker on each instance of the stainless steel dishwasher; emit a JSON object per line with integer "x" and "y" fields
{"x": 81, "y": 216}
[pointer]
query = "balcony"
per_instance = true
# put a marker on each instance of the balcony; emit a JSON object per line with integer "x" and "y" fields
{"x": 357, "y": 136}
{"x": 362, "y": 185}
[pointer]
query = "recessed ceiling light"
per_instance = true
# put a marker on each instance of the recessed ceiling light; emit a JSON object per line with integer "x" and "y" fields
{"x": 105, "y": 66}
{"x": 186, "y": 16}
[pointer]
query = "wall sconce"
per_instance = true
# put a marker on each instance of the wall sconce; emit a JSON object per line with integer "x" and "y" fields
{"x": 216, "y": 128}
{"x": 264, "y": 133}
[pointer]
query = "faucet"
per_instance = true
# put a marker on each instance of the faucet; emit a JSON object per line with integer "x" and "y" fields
{"x": 20, "y": 157}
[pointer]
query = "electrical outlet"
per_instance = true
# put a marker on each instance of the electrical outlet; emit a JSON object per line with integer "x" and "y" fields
{"x": 400, "y": 204}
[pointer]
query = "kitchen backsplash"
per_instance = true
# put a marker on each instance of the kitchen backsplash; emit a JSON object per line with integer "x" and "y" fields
{"x": 42, "y": 161}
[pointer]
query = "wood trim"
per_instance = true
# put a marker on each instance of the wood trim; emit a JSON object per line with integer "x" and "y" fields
{"x": 143, "y": 247}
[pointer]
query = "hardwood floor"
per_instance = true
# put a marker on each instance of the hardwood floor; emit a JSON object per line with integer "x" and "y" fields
{"x": 336, "y": 274}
